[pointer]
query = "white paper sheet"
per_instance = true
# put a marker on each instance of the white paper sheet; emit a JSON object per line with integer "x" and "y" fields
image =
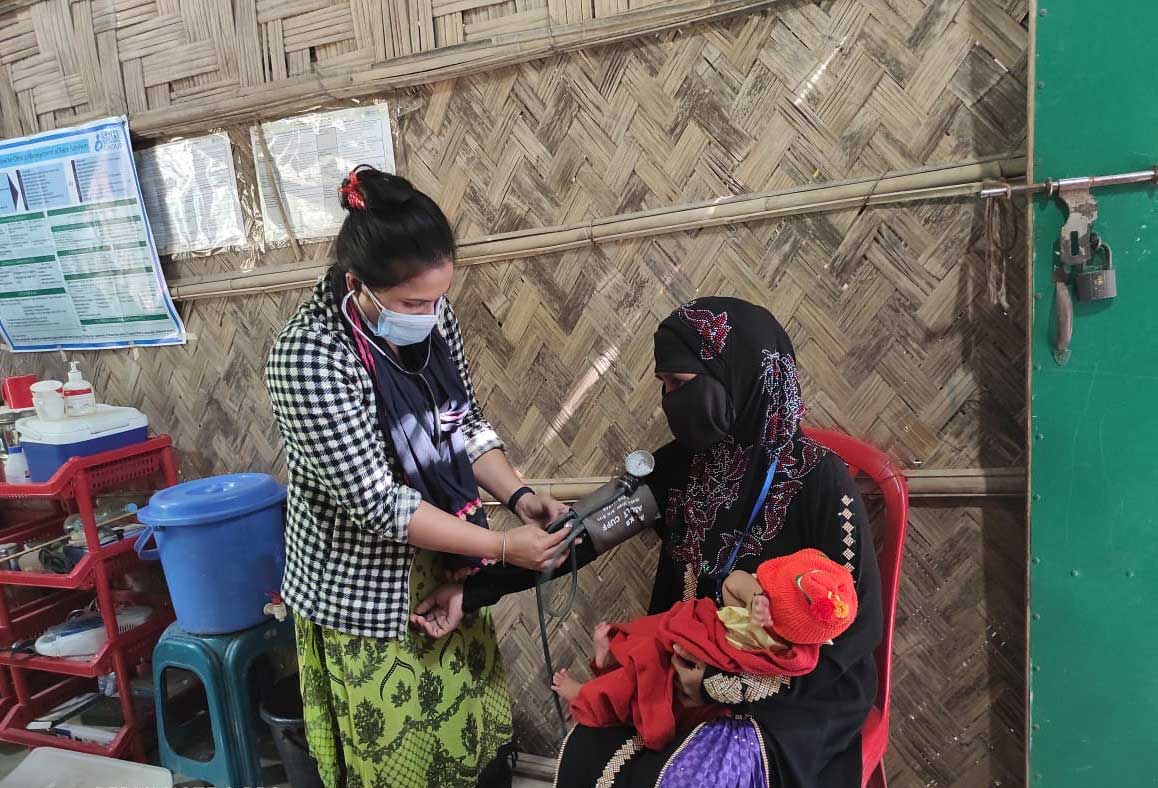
{"x": 190, "y": 191}
{"x": 311, "y": 155}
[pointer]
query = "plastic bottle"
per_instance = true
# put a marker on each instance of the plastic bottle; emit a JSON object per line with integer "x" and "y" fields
{"x": 8, "y": 549}
{"x": 16, "y": 467}
{"x": 79, "y": 399}
{"x": 108, "y": 685}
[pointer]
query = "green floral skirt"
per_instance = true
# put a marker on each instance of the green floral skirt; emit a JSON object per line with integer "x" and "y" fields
{"x": 404, "y": 713}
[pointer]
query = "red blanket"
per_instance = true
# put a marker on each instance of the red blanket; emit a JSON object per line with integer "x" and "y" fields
{"x": 640, "y": 692}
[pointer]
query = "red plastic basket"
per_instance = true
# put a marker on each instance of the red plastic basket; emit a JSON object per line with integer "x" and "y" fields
{"x": 100, "y": 473}
{"x": 130, "y": 739}
{"x": 136, "y": 643}
{"x": 39, "y": 684}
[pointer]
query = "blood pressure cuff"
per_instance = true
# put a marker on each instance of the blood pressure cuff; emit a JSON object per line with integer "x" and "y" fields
{"x": 618, "y": 520}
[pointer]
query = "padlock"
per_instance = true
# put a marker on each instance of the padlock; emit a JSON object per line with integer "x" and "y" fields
{"x": 1098, "y": 284}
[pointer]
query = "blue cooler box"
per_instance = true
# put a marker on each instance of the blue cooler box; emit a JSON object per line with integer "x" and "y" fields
{"x": 49, "y": 444}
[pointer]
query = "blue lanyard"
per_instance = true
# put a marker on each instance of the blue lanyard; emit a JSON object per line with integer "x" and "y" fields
{"x": 756, "y": 510}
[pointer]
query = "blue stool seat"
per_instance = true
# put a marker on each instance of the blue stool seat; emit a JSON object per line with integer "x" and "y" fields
{"x": 222, "y": 663}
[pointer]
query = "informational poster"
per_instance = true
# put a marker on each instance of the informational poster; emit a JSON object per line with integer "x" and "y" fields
{"x": 311, "y": 155}
{"x": 190, "y": 190}
{"x": 78, "y": 268}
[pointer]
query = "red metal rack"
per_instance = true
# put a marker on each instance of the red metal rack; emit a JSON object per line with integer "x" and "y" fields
{"x": 7, "y": 696}
{"x": 73, "y": 489}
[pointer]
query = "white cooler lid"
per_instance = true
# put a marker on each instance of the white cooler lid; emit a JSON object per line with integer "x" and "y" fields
{"x": 108, "y": 420}
{"x": 49, "y": 766}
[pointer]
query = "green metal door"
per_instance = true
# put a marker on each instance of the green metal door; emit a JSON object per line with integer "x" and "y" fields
{"x": 1094, "y": 425}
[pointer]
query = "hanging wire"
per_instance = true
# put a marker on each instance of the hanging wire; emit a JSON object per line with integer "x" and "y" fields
{"x": 1001, "y": 233}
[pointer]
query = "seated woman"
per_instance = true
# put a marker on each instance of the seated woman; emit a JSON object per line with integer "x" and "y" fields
{"x": 771, "y": 624}
{"x": 733, "y": 402}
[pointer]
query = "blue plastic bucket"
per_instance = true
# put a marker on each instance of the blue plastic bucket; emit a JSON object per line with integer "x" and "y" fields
{"x": 221, "y": 542}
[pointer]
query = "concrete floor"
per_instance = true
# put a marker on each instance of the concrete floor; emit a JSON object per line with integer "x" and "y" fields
{"x": 10, "y": 758}
{"x": 532, "y": 771}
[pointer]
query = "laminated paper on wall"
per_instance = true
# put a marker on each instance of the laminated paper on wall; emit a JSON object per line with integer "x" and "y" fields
{"x": 78, "y": 268}
{"x": 190, "y": 190}
{"x": 311, "y": 155}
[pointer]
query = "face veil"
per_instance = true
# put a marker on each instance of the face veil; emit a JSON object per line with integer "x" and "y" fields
{"x": 742, "y": 411}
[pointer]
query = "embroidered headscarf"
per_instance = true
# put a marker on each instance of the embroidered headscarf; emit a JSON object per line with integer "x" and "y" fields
{"x": 743, "y": 347}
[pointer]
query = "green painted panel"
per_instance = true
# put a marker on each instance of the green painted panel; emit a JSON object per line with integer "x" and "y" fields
{"x": 1094, "y": 514}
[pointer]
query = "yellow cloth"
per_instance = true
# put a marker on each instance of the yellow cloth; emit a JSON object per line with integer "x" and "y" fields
{"x": 406, "y": 713}
{"x": 744, "y": 634}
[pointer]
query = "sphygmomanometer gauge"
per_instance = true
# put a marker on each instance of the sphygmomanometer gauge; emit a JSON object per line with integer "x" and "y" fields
{"x": 639, "y": 464}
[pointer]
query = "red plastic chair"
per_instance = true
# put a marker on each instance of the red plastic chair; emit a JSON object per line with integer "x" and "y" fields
{"x": 863, "y": 458}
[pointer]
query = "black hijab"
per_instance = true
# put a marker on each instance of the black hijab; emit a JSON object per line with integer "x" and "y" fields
{"x": 811, "y": 725}
{"x": 745, "y": 349}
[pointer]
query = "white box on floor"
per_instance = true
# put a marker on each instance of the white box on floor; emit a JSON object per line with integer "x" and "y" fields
{"x": 48, "y": 767}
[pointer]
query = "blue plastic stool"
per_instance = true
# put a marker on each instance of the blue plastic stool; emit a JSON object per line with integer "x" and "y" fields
{"x": 222, "y": 663}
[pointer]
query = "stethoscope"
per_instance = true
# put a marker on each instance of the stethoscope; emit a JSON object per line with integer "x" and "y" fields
{"x": 413, "y": 373}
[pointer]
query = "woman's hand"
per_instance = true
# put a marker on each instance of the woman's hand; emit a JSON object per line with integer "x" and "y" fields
{"x": 689, "y": 677}
{"x": 441, "y": 612}
{"x": 496, "y": 475}
{"x": 539, "y": 509}
{"x": 530, "y": 547}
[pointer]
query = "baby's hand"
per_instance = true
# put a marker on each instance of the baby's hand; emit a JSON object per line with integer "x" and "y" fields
{"x": 761, "y": 611}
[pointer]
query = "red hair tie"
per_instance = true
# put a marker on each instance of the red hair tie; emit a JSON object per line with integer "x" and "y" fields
{"x": 351, "y": 192}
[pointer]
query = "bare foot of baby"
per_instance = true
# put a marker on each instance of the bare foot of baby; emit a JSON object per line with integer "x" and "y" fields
{"x": 761, "y": 611}
{"x": 566, "y": 687}
{"x": 601, "y": 639}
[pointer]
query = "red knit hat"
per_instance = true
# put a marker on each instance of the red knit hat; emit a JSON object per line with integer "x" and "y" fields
{"x": 812, "y": 598}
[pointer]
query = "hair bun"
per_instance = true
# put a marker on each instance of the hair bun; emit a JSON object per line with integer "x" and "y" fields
{"x": 393, "y": 190}
{"x": 350, "y": 194}
{"x": 368, "y": 188}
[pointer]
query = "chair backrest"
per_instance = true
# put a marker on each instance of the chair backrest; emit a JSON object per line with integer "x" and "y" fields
{"x": 889, "y": 479}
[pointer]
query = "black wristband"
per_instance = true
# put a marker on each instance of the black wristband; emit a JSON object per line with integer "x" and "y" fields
{"x": 517, "y": 496}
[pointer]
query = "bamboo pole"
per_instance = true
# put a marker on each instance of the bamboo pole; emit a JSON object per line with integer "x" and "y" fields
{"x": 966, "y": 482}
{"x": 924, "y": 484}
{"x": 941, "y": 182}
{"x": 271, "y": 100}
{"x": 266, "y": 158}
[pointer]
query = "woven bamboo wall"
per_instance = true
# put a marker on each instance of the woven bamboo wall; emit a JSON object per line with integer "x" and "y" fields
{"x": 179, "y": 65}
{"x": 64, "y": 59}
{"x": 893, "y": 311}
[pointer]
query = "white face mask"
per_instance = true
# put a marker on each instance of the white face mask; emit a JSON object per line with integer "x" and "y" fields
{"x": 397, "y": 328}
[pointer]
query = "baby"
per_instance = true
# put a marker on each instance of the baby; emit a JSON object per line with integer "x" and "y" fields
{"x": 772, "y": 623}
